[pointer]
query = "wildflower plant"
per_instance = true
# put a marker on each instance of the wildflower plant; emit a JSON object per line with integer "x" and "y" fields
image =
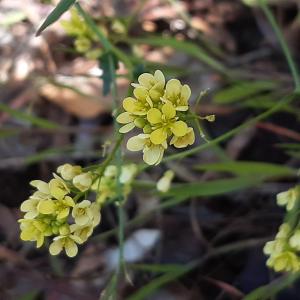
{"x": 160, "y": 111}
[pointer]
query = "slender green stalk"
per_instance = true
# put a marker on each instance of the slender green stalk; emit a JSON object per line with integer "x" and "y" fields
{"x": 232, "y": 132}
{"x": 283, "y": 44}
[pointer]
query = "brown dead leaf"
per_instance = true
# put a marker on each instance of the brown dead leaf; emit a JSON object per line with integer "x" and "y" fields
{"x": 80, "y": 96}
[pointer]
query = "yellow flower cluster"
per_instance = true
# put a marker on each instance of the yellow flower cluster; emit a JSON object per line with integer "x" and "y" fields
{"x": 106, "y": 186}
{"x": 53, "y": 211}
{"x": 85, "y": 38}
{"x": 284, "y": 251}
{"x": 159, "y": 110}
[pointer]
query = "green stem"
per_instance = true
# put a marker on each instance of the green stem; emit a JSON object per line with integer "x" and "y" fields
{"x": 232, "y": 132}
{"x": 283, "y": 44}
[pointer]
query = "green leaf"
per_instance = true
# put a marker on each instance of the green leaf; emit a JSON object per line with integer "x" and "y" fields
{"x": 185, "y": 191}
{"x": 273, "y": 288}
{"x": 109, "y": 293}
{"x": 55, "y": 14}
{"x": 108, "y": 64}
{"x": 158, "y": 268}
{"x": 249, "y": 168}
{"x": 183, "y": 46}
{"x": 241, "y": 90}
{"x": 39, "y": 122}
{"x": 158, "y": 282}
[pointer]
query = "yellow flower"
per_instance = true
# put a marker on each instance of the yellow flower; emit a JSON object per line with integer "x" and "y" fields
{"x": 96, "y": 216}
{"x": 63, "y": 206}
{"x": 288, "y": 198}
{"x": 58, "y": 187}
{"x": 67, "y": 242}
{"x": 184, "y": 141}
{"x": 165, "y": 123}
{"x": 83, "y": 232}
{"x": 34, "y": 230}
{"x": 152, "y": 85}
{"x": 177, "y": 94}
{"x": 286, "y": 261}
{"x": 41, "y": 186}
{"x": 164, "y": 183}
{"x": 295, "y": 240}
{"x": 82, "y": 44}
{"x": 68, "y": 172}
{"x": 83, "y": 181}
{"x": 82, "y": 213}
{"x": 33, "y": 207}
{"x": 152, "y": 154}
{"x": 274, "y": 247}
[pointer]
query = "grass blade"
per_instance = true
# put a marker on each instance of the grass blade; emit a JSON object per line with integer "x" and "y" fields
{"x": 55, "y": 14}
{"x": 39, "y": 122}
{"x": 248, "y": 168}
{"x": 273, "y": 288}
{"x": 184, "y": 46}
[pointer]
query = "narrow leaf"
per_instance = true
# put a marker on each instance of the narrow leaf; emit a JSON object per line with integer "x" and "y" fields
{"x": 248, "y": 168}
{"x": 55, "y": 14}
{"x": 184, "y": 46}
{"x": 242, "y": 90}
{"x": 273, "y": 288}
{"x": 39, "y": 122}
{"x": 211, "y": 188}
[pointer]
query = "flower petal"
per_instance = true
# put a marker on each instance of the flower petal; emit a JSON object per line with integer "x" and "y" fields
{"x": 140, "y": 93}
{"x": 71, "y": 248}
{"x": 152, "y": 155}
{"x": 173, "y": 87}
{"x": 154, "y": 116}
{"x": 159, "y": 77}
{"x": 56, "y": 247}
{"x": 146, "y": 80}
{"x": 185, "y": 93}
{"x": 29, "y": 205}
{"x": 125, "y": 118}
{"x": 46, "y": 207}
{"x": 126, "y": 128}
{"x": 158, "y": 136}
{"x": 168, "y": 110}
{"x": 179, "y": 128}
{"x": 136, "y": 143}
{"x": 129, "y": 104}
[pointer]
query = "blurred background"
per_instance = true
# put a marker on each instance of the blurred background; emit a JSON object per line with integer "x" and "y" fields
{"x": 54, "y": 109}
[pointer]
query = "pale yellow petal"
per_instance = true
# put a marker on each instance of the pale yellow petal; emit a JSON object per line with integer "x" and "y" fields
{"x": 46, "y": 207}
{"x": 173, "y": 87}
{"x": 179, "y": 128}
{"x": 71, "y": 248}
{"x": 152, "y": 155}
{"x": 125, "y": 118}
{"x": 146, "y": 80}
{"x": 159, "y": 77}
{"x": 168, "y": 110}
{"x": 154, "y": 116}
{"x": 126, "y": 128}
{"x": 29, "y": 205}
{"x": 158, "y": 136}
{"x": 129, "y": 104}
{"x": 136, "y": 143}
{"x": 140, "y": 93}
{"x": 185, "y": 93}
{"x": 56, "y": 247}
